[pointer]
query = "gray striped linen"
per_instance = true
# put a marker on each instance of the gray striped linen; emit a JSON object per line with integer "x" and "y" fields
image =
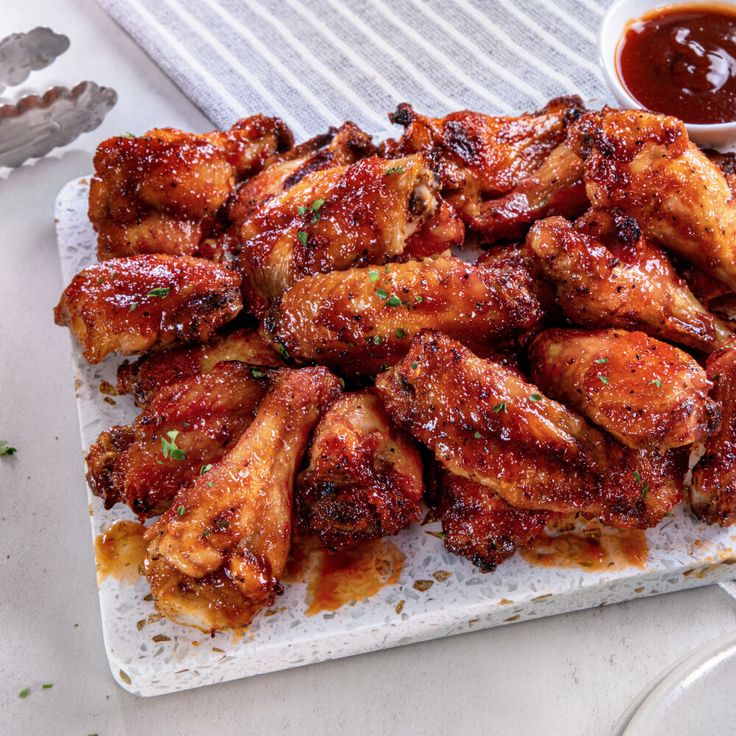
{"x": 316, "y": 63}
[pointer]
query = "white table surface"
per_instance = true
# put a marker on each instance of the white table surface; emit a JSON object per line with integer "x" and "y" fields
{"x": 572, "y": 674}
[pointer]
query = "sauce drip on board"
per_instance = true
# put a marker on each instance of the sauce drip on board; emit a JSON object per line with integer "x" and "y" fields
{"x": 338, "y": 578}
{"x": 591, "y": 547}
{"x": 120, "y": 551}
{"x": 681, "y": 60}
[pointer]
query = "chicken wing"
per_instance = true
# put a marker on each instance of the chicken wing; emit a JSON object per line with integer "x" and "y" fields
{"x": 130, "y": 305}
{"x": 186, "y": 427}
{"x": 161, "y": 192}
{"x": 644, "y": 164}
{"x": 478, "y": 524}
{"x": 365, "y": 318}
{"x": 216, "y": 556}
{"x": 644, "y": 392}
{"x": 480, "y": 157}
{"x": 364, "y": 477}
{"x": 712, "y": 494}
{"x": 370, "y": 212}
{"x": 485, "y": 422}
{"x": 147, "y": 375}
{"x": 624, "y": 281}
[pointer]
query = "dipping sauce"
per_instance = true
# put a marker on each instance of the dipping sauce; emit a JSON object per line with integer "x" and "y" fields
{"x": 120, "y": 551}
{"x": 681, "y": 60}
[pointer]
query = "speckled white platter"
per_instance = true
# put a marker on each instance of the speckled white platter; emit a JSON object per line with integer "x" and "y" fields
{"x": 682, "y": 554}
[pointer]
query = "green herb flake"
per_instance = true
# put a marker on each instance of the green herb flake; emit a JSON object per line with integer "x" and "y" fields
{"x": 341, "y": 381}
{"x": 393, "y": 301}
{"x": 128, "y": 135}
{"x": 317, "y": 205}
{"x": 501, "y": 406}
{"x": 535, "y": 397}
{"x": 47, "y": 686}
{"x": 210, "y": 484}
{"x": 257, "y": 373}
{"x": 603, "y": 380}
{"x": 382, "y": 293}
{"x": 414, "y": 365}
{"x": 477, "y": 435}
{"x": 169, "y": 448}
{"x": 395, "y": 170}
{"x": 222, "y": 523}
{"x": 6, "y": 449}
{"x": 162, "y": 292}
{"x": 602, "y": 360}
{"x": 418, "y": 300}
{"x": 401, "y": 334}
{"x": 302, "y": 235}
{"x": 180, "y": 511}
{"x": 377, "y": 339}
{"x": 133, "y": 306}
{"x": 373, "y": 275}
{"x": 645, "y": 487}
{"x": 206, "y": 532}
{"x": 302, "y": 210}
{"x": 657, "y": 382}
{"x": 283, "y": 352}
{"x": 25, "y": 692}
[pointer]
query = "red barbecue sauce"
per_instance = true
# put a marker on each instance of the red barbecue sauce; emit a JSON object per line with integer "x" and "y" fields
{"x": 681, "y": 60}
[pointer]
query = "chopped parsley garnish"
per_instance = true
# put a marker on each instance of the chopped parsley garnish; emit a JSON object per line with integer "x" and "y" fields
{"x": 376, "y": 339}
{"x": 25, "y": 692}
{"x": 419, "y": 300}
{"x": 222, "y": 523}
{"x": 373, "y": 275}
{"x": 382, "y": 293}
{"x": 393, "y": 301}
{"x": 207, "y": 532}
{"x": 536, "y": 397}
{"x": 644, "y": 485}
{"x": 180, "y": 511}
{"x": 133, "y": 306}
{"x": 257, "y": 373}
{"x": 341, "y": 382}
{"x": 657, "y": 382}
{"x": 302, "y": 210}
{"x": 603, "y": 380}
{"x": 501, "y": 406}
{"x": 128, "y": 135}
{"x": 205, "y": 469}
{"x": 414, "y": 365}
{"x": 395, "y": 170}
{"x": 282, "y": 351}
{"x": 317, "y": 205}
{"x": 6, "y": 449}
{"x": 47, "y": 686}
{"x": 169, "y": 448}
{"x": 161, "y": 291}
{"x": 302, "y": 235}
{"x": 602, "y": 360}
{"x": 476, "y": 435}
{"x": 401, "y": 334}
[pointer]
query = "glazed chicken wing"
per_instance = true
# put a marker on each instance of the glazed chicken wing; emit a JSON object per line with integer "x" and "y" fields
{"x": 712, "y": 494}
{"x": 146, "y": 376}
{"x": 130, "y": 305}
{"x": 481, "y": 157}
{"x": 186, "y": 427}
{"x": 216, "y": 556}
{"x": 370, "y": 212}
{"x": 644, "y": 164}
{"x": 621, "y": 280}
{"x": 161, "y": 192}
{"x": 646, "y": 393}
{"x": 483, "y": 421}
{"x": 478, "y": 524}
{"x": 364, "y": 477}
{"x": 365, "y": 318}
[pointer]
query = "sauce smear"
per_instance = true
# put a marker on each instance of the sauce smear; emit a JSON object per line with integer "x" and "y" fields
{"x": 681, "y": 60}
{"x": 120, "y": 551}
{"x": 592, "y": 548}
{"x": 338, "y": 578}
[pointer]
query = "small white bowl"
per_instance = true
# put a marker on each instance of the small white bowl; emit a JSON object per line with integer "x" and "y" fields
{"x": 615, "y": 21}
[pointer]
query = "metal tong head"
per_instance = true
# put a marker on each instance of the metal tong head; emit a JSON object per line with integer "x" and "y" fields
{"x": 36, "y": 124}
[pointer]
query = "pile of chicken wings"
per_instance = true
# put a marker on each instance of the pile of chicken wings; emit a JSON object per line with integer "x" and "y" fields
{"x": 320, "y": 352}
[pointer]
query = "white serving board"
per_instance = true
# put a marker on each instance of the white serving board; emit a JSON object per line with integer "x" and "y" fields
{"x": 682, "y": 554}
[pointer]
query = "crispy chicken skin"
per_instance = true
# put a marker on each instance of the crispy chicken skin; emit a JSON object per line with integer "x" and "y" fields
{"x": 151, "y": 302}
{"x": 481, "y": 157}
{"x": 484, "y": 421}
{"x": 216, "y": 556}
{"x": 644, "y": 164}
{"x": 370, "y": 212}
{"x": 712, "y": 494}
{"x": 364, "y": 477}
{"x": 149, "y": 373}
{"x": 478, "y": 524}
{"x": 206, "y": 413}
{"x": 161, "y": 192}
{"x": 646, "y": 393}
{"x": 365, "y": 318}
{"x": 617, "y": 278}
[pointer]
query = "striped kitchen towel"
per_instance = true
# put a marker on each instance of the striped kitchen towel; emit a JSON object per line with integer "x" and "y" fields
{"x": 316, "y": 63}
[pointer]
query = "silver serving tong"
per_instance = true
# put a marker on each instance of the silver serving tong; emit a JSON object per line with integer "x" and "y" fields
{"x": 36, "y": 124}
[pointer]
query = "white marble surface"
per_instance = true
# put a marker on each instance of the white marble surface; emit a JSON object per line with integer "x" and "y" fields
{"x": 566, "y": 675}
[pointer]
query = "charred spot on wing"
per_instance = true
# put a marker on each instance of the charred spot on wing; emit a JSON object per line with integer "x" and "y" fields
{"x": 403, "y": 115}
